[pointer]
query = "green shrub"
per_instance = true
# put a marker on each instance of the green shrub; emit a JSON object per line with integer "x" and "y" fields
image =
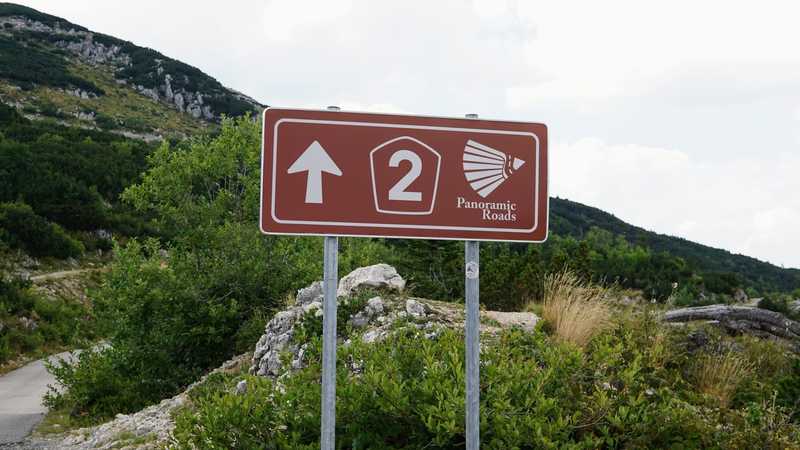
{"x": 23, "y": 228}
{"x": 58, "y": 322}
{"x": 97, "y": 385}
{"x": 626, "y": 391}
{"x": 779, "y": 303}
{"x": 106, "y": 122}
{"x": 250, "y": 331}
{"x": 788, "y": 390}
{"x": 70, "y": 176}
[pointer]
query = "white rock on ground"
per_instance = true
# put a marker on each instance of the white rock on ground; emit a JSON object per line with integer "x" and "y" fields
{"x": 277, "y": 337}
{"x": 415, "y": 309}
{"x": 378, "y": 276}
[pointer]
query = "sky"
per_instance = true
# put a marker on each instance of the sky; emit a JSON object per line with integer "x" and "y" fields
{"x": 682, "y": 117}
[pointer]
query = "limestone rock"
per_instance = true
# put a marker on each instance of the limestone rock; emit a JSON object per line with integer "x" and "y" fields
{"x": 276, "y": 339}
{"x": 312, "y": 293}
{"x": 241, "y": 387}
{"x": 377, "y": 276}
{"x": 415, "y": 309}
{"x": 375, "y": 306}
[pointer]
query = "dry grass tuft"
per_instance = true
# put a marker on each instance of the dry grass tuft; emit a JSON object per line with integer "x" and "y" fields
{"x": 575, "y": 310}
{"x": 718, "y": 375}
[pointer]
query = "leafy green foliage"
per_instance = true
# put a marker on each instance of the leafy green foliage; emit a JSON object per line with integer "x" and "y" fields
{"x": 573, "y": 219}
{"x": 32, "y": 323}
{"x": 29, "y": 65}
{"x": 788, "y": 389}
{"x": 512, "y": 274}
{"x": 779, "y": 303}
{"x": 174, "y": 311}
{"x": 20, "y": 227}
{"x": 67, "y": 175}
{"x": 626, "y": 391}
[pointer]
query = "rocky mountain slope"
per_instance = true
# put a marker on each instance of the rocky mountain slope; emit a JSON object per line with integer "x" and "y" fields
{"x": 52, "y": 68}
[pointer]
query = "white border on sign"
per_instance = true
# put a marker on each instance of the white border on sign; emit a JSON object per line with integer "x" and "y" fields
{"x": 395, "y": 226}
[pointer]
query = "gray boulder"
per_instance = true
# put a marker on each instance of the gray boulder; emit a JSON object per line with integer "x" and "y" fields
{"x": 378, "y": 276}
{"x": 415, "y": 309}
{"x": 309, "y": 294}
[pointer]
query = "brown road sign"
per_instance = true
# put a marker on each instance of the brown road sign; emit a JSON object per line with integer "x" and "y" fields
{"x": 356, "y": 174}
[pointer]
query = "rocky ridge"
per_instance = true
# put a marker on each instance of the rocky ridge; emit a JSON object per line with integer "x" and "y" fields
{"x": 95, "y": 49}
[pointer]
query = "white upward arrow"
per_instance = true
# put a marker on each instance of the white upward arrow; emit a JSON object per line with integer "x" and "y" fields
{"x": 315, "y": 160}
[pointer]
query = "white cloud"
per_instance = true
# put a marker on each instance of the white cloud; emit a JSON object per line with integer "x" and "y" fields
{"x": 286, "y": 20}
{"x": 741, "y": 205}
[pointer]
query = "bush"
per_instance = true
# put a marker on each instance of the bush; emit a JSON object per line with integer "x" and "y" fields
{"x": 623, "y": 391}
{"x": 58, "y": 322}
{"x": 779, "y": 303}
{"x": 23, "y": 228}
{"x": 788, "y": 390}
{"x": 163, "y": 330}
{"x": 70, "y": 176}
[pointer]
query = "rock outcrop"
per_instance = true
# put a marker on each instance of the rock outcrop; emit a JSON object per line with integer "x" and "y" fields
{"x": 373, "y": 320}
{"x": 277, "y": 339}
{"x": 175, "y": 89}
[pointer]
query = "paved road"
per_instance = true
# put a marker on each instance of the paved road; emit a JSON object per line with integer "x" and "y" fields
{"x": 21, "y": 394}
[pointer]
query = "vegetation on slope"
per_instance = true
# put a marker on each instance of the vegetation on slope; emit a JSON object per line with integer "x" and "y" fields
{"x": 28, "y": 65}
{"x": 714, "y": 265}
{"x": 32, "y": 324}
{"x": 31, "y": 58}
{"x": 69, "y": 176}
{"x": 634, "y": 385}
{"x": 180, "y": 306}
{"x": 119, "y": 110}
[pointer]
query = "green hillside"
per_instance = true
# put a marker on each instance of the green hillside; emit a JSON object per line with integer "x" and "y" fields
{"x": 568, "y": 218}
{"x": 52, "y": 68}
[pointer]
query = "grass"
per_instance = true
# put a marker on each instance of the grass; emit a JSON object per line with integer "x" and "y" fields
{"x": 58, "y": 421}
{"x": 718, "y": 375}
{"x": 574, "y": 310}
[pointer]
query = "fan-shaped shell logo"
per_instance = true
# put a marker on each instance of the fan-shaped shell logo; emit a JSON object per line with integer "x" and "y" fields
{"x": 486, "y": 168}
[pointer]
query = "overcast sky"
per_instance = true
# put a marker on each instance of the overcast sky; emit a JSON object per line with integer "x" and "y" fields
{"x": 680, "y": 117}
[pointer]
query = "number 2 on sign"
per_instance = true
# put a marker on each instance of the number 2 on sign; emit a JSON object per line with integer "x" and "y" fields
{"x": 398, "y": 191}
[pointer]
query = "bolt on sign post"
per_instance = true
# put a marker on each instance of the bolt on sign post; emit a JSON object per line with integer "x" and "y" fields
{"x": 335, "y": 173}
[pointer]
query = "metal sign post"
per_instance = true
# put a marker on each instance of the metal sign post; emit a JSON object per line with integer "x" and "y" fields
{"x": 471, "y": 295}
{"x": 473, "y": 337}
{"x": 330, "y": 279}
{"x": 328, "y": 437}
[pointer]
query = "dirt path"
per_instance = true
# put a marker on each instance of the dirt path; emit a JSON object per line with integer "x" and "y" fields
{"x": 59, "y": 275}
